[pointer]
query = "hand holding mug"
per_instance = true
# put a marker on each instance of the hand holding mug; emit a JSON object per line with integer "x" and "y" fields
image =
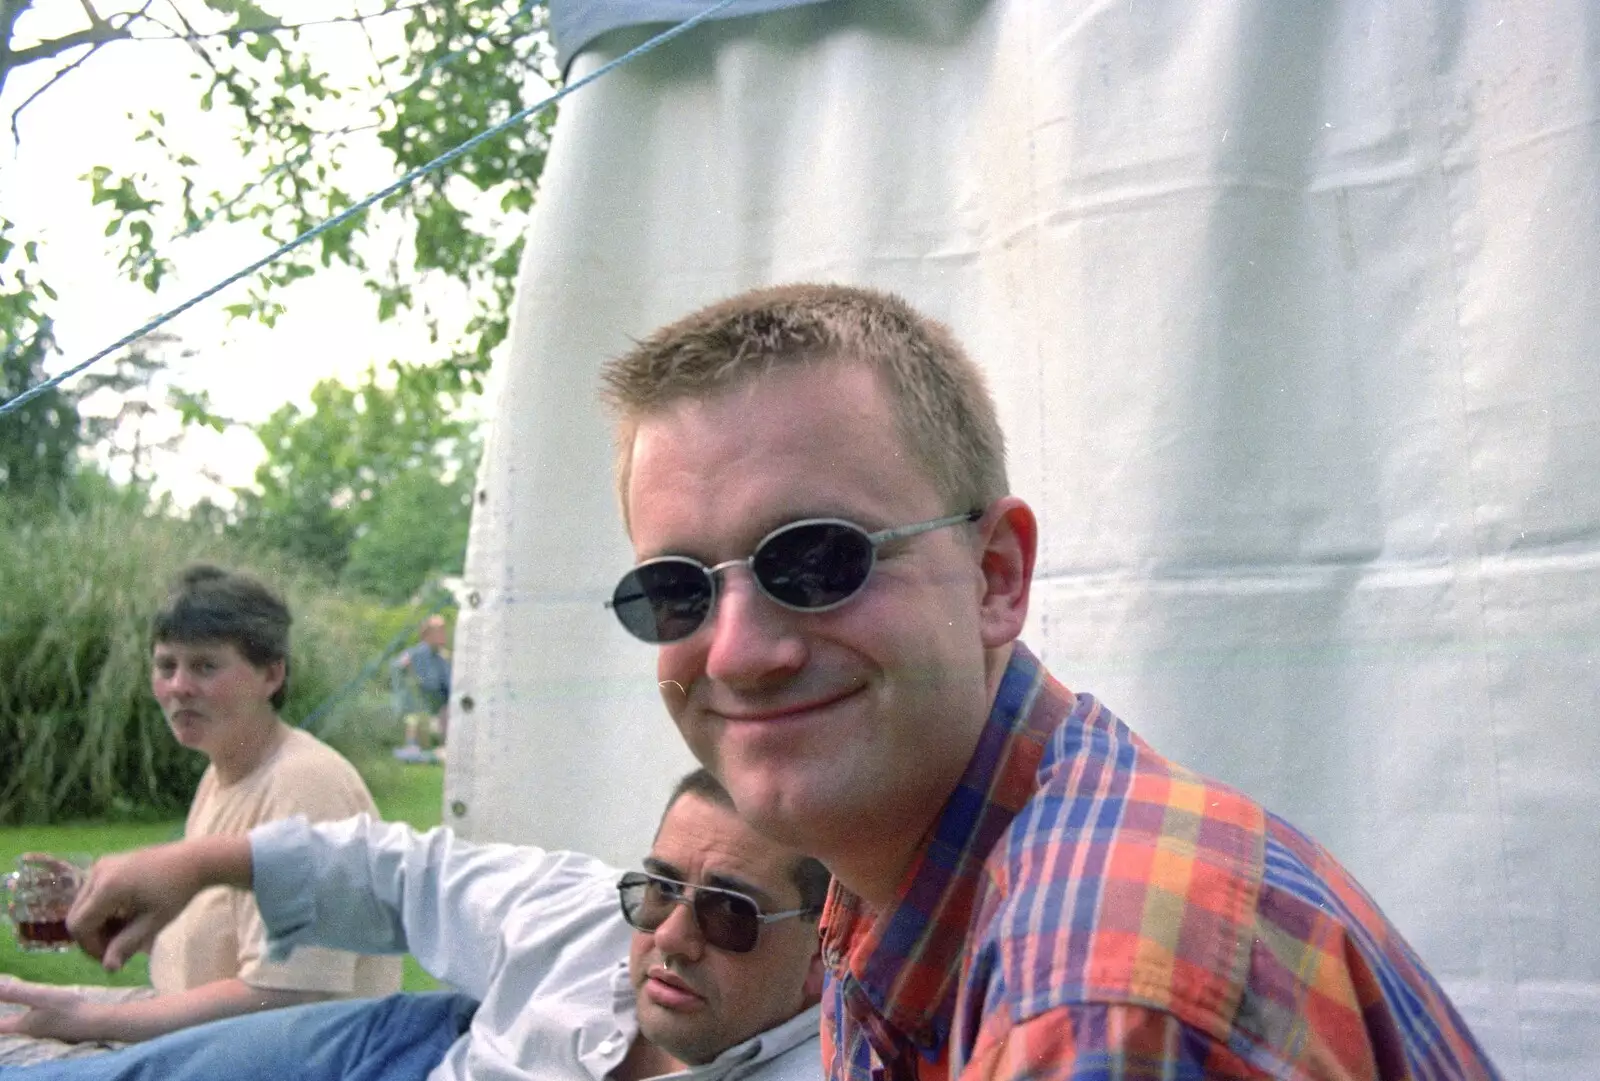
{"x": 130, "y": 897}
{"x": 38, "y": 895}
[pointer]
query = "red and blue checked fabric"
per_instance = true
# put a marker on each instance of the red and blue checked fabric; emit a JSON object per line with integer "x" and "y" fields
{"x": 1084, "y": 908}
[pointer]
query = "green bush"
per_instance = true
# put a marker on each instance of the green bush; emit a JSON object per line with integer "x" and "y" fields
{"x": 80, "y": 734}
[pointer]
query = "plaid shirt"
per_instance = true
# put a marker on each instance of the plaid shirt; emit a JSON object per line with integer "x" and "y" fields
{"x": 1084, "y": 908}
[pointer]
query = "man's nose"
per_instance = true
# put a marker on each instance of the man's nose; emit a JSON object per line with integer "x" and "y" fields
{"x": 753, "y": 638}
{"x": 679, "y": 934}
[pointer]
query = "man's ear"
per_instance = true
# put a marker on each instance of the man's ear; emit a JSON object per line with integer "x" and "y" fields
{"x": 812, "y": 988}
{"x": 275, "y": 672}
{"x": 1009, "y": 539}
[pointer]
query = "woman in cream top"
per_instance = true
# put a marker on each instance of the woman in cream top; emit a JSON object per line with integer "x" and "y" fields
{"x": 219, "y": 669}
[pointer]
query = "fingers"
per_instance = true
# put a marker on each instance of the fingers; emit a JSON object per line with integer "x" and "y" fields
{"x": 66, "y": 868}
{"x": 99, "y": 934}
{"x": 133, "y": 937}
{"x": 39, "y": 999}
{"x": 130, "y": 897}
{"x": 50, "y": 1010}
{"x": 24, "y": 993}
{"x": 17, "y": 992}
{"x": 101, "y": 913}
{"x": 90, "y": 916}
{"x": 45, "y": 858}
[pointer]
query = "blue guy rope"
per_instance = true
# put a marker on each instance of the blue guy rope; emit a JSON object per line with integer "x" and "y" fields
{"x": 405, "y": 181}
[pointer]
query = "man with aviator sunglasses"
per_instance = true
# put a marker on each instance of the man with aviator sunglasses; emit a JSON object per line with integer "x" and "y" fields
{"x": 836, "y": 575}
{"x": 705, "y": 965}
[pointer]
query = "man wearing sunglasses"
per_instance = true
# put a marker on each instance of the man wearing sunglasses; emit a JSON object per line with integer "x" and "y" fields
{"x": 717, "y": 977}
{"x": 836, "y": 575}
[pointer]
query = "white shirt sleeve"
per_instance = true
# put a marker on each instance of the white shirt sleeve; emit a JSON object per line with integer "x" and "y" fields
{"x": 381, "y": 887}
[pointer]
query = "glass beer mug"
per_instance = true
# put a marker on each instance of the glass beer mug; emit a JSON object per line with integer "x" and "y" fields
{"x": 38, "y": 895}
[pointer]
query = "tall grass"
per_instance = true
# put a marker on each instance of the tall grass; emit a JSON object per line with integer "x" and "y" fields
{"x": 80, "y": 734}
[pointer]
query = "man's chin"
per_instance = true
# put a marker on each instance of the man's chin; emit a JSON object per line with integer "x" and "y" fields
{"x": 785, "y": 806}
{"x": 682, "y": 1040}
{"x": 187, "y": 734}
{"x": 778, "y": 827}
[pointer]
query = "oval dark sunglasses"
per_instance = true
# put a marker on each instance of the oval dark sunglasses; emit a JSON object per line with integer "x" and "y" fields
{"x": 727, "y": 919}
{"x": 813, "y": 565}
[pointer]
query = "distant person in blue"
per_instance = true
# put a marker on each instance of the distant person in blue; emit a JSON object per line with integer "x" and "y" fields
{"x": 420, "y": 680}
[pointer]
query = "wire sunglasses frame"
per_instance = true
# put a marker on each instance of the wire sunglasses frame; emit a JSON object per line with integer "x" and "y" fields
{"x": 727, "y": 919}
{"x": 680, "y": 607}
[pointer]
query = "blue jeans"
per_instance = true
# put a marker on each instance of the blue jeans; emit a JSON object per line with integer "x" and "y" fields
{"x": 398, "y": 1038}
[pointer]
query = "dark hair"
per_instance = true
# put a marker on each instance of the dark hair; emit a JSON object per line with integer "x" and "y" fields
{"x": 209, "y": 604}
{"x": 810, "y": 877}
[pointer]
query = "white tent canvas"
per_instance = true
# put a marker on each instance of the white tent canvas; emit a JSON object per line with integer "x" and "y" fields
{"x": 1293, "y": 313}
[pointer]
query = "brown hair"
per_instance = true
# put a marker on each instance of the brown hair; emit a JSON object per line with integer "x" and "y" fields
{"x": 810, "y": 877}
{"x": 209, "y": 604}
{"x": 941, "y": 404}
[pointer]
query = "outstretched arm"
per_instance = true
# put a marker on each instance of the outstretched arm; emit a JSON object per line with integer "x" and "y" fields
{"x": 126, "y": 902}
{"x": 381, "y": 887}
{"x": 58, "y": 1013}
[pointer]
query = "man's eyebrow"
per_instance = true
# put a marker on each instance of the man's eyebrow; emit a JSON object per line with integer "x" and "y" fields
{"x": 662, "y": 868}
{"x": 761, "y": 897}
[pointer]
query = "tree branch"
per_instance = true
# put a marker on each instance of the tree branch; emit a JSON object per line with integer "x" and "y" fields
{"x": 10, "y": 12}
{"x": 16, "y": 113}
{"x": 102, "y": 32}
{"x": 44, "y": 50}
{"x": 273, "y": 28}
{"x": 194, "y": 45}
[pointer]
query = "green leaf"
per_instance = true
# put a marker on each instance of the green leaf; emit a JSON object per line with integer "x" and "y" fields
{"x": 468, "y": 59}
{"x": 195, "y": 409}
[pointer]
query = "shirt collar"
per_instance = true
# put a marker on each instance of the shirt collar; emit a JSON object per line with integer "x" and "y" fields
{"x": 774, "y": 1041}
{"x": 906, "y": 959}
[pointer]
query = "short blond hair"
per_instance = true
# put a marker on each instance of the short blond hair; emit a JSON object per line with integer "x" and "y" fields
{"x": 940, "y": 400}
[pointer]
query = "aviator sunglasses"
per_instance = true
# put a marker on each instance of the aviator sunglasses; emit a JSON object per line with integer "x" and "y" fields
{"x": 727, "y": 919}
{"x": 813, "y": 565}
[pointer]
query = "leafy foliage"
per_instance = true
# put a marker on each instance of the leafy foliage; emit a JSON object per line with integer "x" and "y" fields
{"x": 38, "y": 441}
{"x": 462, "y": 69}
{"x": 128, "y": 384}
{"x": 371, "y": 484}
{"x": 489, "y": 52}
{"x": 417, "y": 532}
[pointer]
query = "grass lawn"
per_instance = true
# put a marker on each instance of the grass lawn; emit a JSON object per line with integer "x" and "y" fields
{"x": 413, "y": 794}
